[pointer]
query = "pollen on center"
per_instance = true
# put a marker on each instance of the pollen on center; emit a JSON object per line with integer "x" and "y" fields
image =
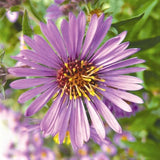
{"x": 79, "y": 78}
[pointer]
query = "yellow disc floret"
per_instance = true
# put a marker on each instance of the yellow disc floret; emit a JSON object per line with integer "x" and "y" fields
{"x": 79, "y": 78}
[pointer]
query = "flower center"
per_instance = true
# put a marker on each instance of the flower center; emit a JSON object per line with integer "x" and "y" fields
{"x": 97, "y": 11}
{"x": 79, "y": 78}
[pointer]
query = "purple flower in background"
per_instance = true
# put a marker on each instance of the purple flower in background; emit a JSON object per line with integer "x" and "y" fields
{"x": 124, "y": 136}
{"x": 76, "y": 75}
{"x": 109, "y": 149}
{"x": 100, "y": 156}
{"x": 17, "y": 142}
{"x": 83, "y": 151}
{"x": 12, "y": 16}
{"x": 57, "y": 10}
{"x": 119, "y": 113}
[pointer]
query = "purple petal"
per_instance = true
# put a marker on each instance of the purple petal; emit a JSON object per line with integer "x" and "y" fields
{"x": 101, "y": 32}
{"x": 59, "y": 1}
{"x": 85, "y": 123}
{"x": 117, "y": 101}
{"x": 51, "y": 116}
{"x": 78, "y": 126}
{"x": 122, "y": 55}
{"x": 124, "y": 95}
{"x": 96, "y": 120}
{"x": 51, "y": 32}
{"x": 32, "y": 64}
{"x": 111, "y": 55}
{"x": 65, "y": 34}
{"x": 122, "y": 78}
{"x": 81, "y": 20}
{"x": 123, "y": 63}
{"x": 27, "y": 83}
{"x": 109, "y": 46}
{"x": 34, "y": 92}
{"x": 90, "y": 35}
{"x": 23, "y": 72}
{"x": 38, "y": 58}
{"x": 72, "y": 128}
{"x": 73, "y": 34}
{"x": 64, "y": 127}
{"x": 45, "y": 49}
{"x": 123, "y": 86}
{"x": 42, "y": 49}
{"x": 54, "y": 12}
{"x": 108, "y": 116}
{"x": 125, "y": 71}
{"x": 39, "y": 102}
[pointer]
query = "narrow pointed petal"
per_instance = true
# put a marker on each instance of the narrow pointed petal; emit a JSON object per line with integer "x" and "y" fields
{"x": 90, "y": 35}
{"x": 123, "y": 63}
{"x": 101, "y": 32}
{"x": 125, "y": 71}
{"x": 85, "y": 123}
{"x": 23, "y": 72}
{"x": 63, "y": 130}
{"x": 123, "y": 86}
{"x": 124, "y": 95}
{"x": 109, "y": 46}
{"x": 27, "y": 83}
{"x": 122, "y": 79}
{"x": 34, "y": 92}
{"x": 32, "y": 64}
{"x": 40, "y": 101}
{"x": 51, "y": 116}
{"x": 96, "y": 120}
{"x": 108, "y": 116}
{"x": 117, "y": 101}
{"x": 81, "y": 20}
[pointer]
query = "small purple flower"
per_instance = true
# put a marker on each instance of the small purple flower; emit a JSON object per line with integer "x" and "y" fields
{"x": 109, "y": 149}
{"x": 83, "y": 151}
{"x": 76, "y": 75}
{"x": 124, "y": 136}
{"x": 58, "y": 10}
{"x": 12, "y": 16}
{"x": 100, "y": 156}
{"x": 59, "y": 1}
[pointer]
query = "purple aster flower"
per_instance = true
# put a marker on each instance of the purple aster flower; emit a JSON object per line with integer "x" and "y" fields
{"x": 76, "y": 75}
{"x": 125, "y": 136}
{"x": 100, "y": 156}
{"x": 58, "y": 10}
{"x": 12, "y": 16}
{"x": 59, "y": 1}
{"x": 110, "y": 149}
{"x": 83, "y": 151}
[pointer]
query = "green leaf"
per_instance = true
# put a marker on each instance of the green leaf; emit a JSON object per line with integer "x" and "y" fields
{"x": 35, "y": 13}
{"x": 146, "y": 43}
{"x": 2, "y": 12}
{"x": 2, "y": 91}
{"x": 130, "y": 21}
{"x": 148, "y": 149}
{"x": 141, "y": 121}
{"x": 2, "y": 52}
{"x": 148, "y": 8}
{"x": 26, "y": 25}
{"x": 151, "y": 80}
{"x": 15, "y": 8}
